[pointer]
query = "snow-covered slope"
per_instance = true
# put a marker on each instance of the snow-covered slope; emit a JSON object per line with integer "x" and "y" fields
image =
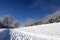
{"x": 39, "y": 32}
{"x": 43, "y": 32}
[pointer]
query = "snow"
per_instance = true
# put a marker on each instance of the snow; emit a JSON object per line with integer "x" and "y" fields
{"x": 4, "y": 34}
{"x": 39, "y": 32}
{"x": 1, "y": 30}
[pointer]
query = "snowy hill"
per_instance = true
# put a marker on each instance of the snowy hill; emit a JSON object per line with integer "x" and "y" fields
{"x": 39, "y": 32}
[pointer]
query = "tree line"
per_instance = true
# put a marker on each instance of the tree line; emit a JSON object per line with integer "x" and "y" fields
{"x": 8, "y": 22}
{"x": 47, "y": 21}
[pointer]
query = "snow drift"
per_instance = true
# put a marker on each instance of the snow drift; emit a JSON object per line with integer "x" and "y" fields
{"x": 39, "y": 32}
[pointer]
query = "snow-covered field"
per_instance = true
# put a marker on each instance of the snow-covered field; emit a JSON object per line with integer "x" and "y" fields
{"x": 39, "y": 32}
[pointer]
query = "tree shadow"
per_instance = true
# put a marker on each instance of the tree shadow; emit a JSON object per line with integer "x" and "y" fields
{"x": 5, "y": 35}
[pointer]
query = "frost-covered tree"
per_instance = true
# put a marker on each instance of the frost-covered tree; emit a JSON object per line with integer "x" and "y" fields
{"x": 57, "y": 19}
{"x": 0, "y": 23}
{"x": 7, "y": 21}
{"x": 51, "y": 20}
{"x": 16, "y": 24}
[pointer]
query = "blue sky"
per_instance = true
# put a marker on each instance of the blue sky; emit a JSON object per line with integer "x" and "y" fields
{"x": 23, "y": 10}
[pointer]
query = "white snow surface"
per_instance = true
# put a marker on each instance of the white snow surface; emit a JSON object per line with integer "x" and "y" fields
{"x": 39, "y": 32}
{"x": 1, "y": 30}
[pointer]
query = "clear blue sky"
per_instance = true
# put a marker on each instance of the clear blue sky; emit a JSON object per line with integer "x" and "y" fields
{"x": 21, "y": 10}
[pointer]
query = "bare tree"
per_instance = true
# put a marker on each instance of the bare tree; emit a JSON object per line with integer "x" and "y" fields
{"x": 17, "y": 24}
